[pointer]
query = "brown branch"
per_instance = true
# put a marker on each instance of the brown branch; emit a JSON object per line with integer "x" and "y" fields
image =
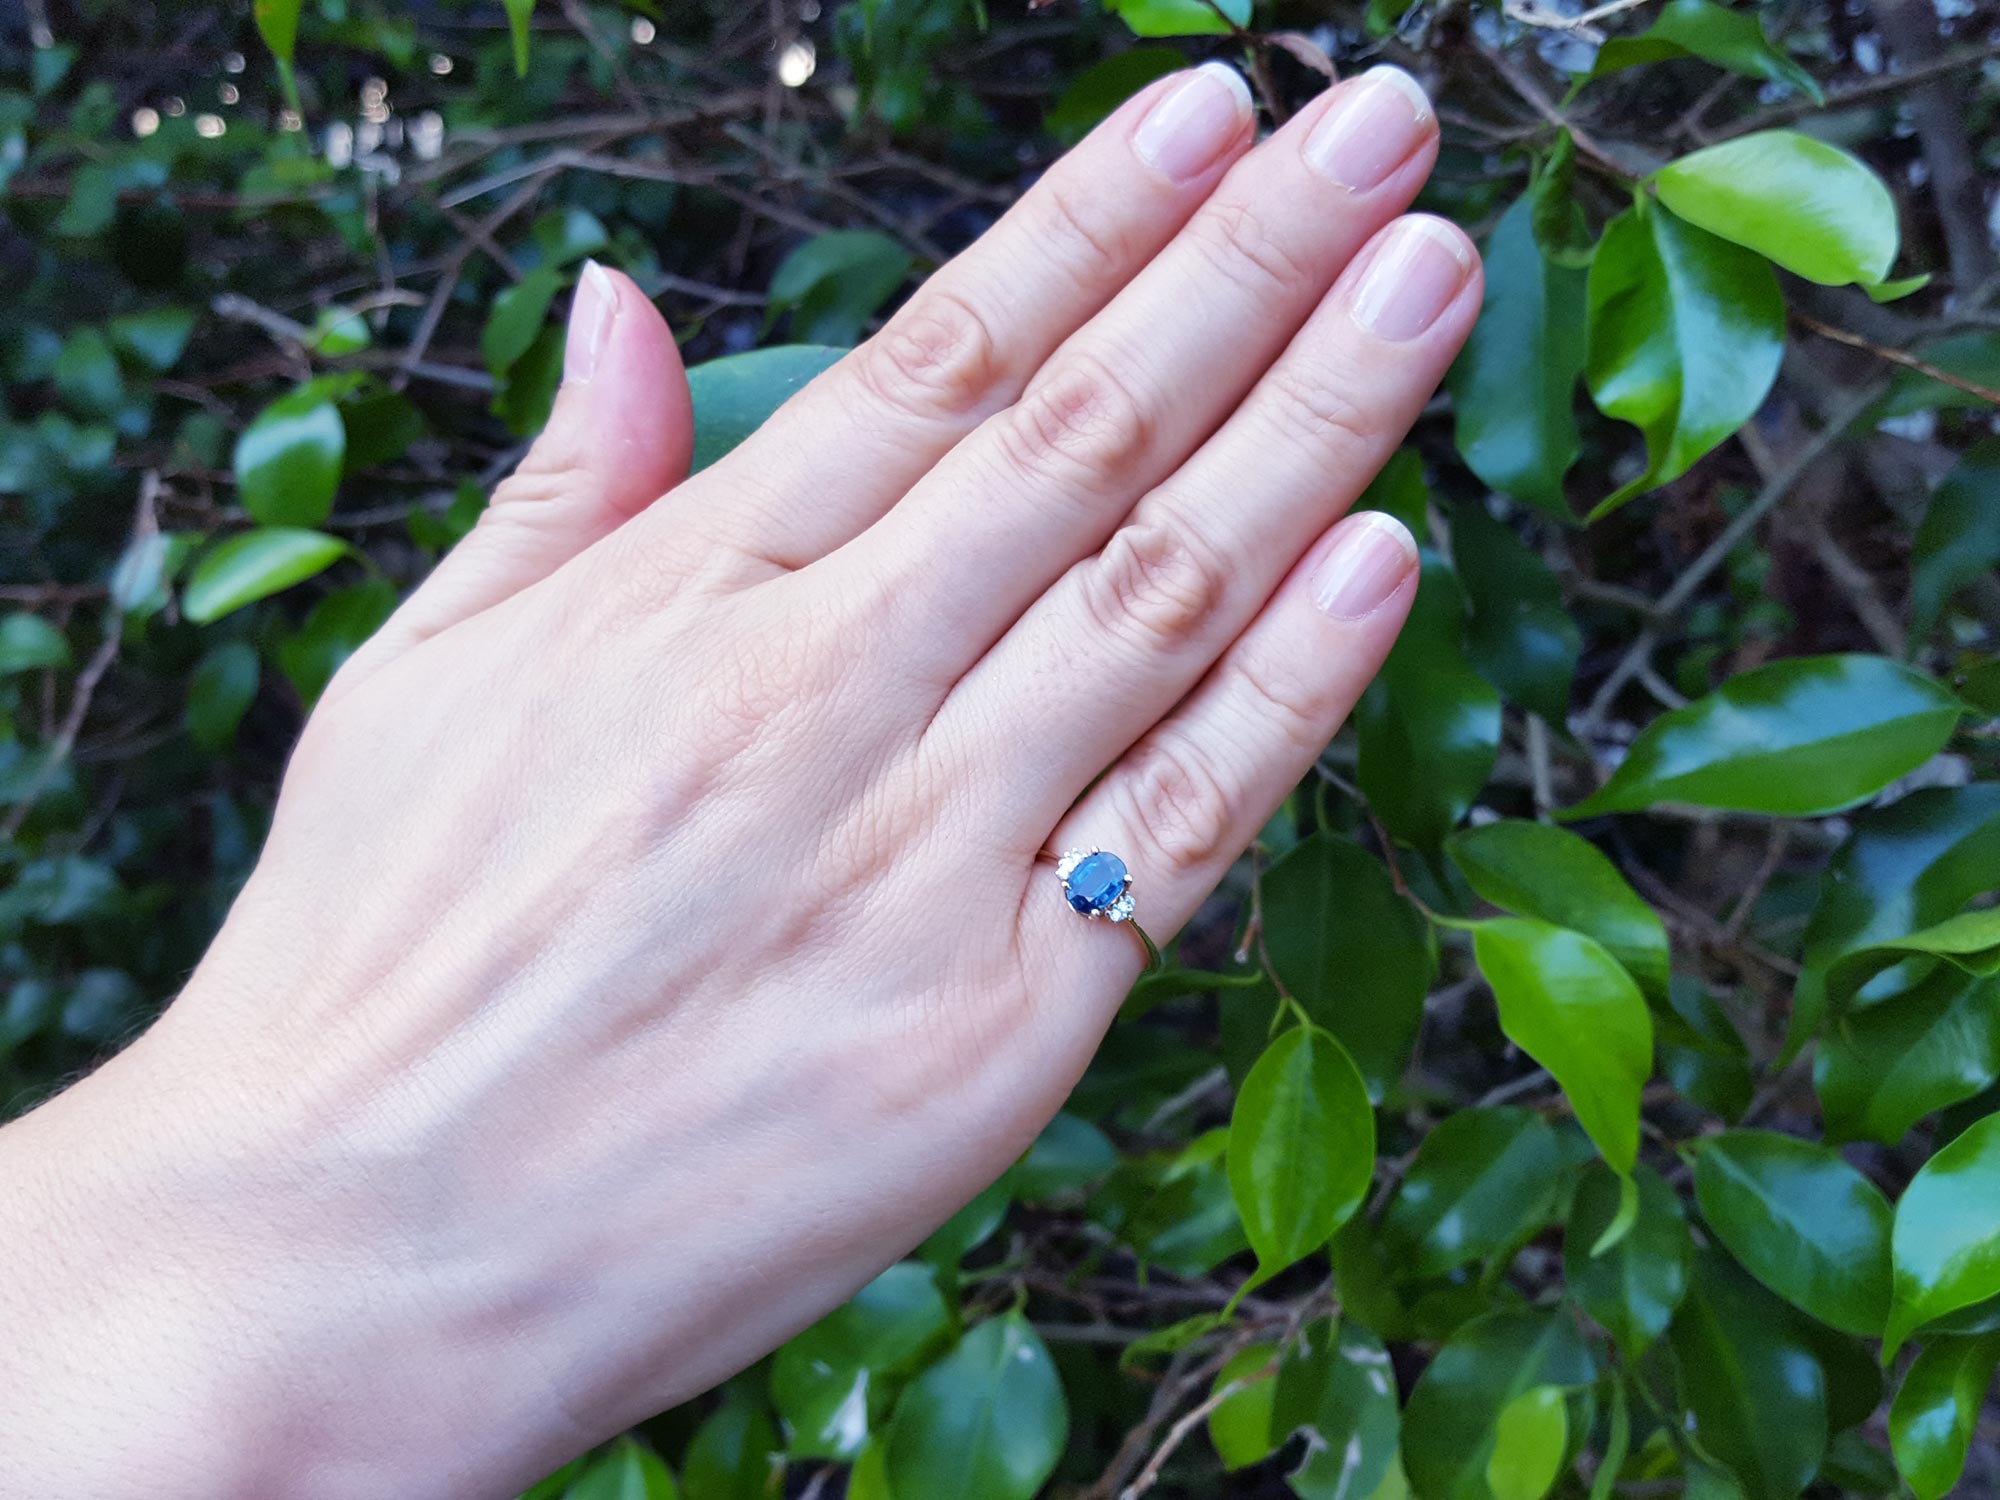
{"x": 1901, "y": 357}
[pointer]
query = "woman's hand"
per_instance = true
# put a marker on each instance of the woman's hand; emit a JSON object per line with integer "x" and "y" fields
{"x": 650, "y": 946}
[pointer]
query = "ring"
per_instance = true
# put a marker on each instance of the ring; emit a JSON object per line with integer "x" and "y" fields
{"x": 1096, "y": 884}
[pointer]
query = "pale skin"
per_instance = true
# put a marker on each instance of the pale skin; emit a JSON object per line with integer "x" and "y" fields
{"x": 651, "y": 945}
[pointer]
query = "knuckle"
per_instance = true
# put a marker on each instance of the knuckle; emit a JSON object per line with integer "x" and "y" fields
{"x": 936, "y": 358}
{"x": 1154, "y": 583}
{"x": 1079, "y": 425}
{"x": 1282, "y": 700}
{"x": 1181, "y": 802}
{"x": 1313, "y": 410}
{"x": 1239, "y": 244}
{"x": 1080, "y": 239}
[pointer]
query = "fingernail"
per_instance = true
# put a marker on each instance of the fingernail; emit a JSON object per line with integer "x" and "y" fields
{"x": 1412, "y": 275}
{"x": 591, "y": 313}
{"x": 1370, "y": 130}
{"x": 1371, "y": 555}
{"x": 1184, "y": 133}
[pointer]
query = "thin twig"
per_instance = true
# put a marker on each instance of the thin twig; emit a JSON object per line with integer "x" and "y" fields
{"x": 1901, "y": 357}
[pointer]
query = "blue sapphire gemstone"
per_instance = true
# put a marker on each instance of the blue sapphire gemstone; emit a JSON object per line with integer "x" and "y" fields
{"x": 1096, "y": 883}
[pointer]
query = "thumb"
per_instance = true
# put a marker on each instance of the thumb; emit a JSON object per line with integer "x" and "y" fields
{"x": 619, "y": 436}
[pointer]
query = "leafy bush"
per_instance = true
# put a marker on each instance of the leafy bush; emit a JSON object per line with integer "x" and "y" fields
{"x": 1587, "y": 1084}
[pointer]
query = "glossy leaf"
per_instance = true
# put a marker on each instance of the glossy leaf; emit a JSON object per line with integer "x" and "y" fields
{"x": 223, "y": 685}
{"x": 519, "y": 14}
{"x": 1811, "y": 207}
{"x": 625, "y": 1471}
{"x": 734, "y": 1455}
{"x": 29, "y": 643}
{"x": 1884, "y": 1068}
{"x": 826, "y": 1381}
{"x": 1969, "y": 941}
{"x": 1301, "y": 1146}
{"x": 735, "y": 394}
{"x": 1548, "y": 873}
{"x": 1240, "y": 1428}
{"x": 1702, "y": 1053}
{"x": 1482, "y": 1179}
{"x": 1959, "y": 539}
{"x": 1732, "y": 39}
{"x": 1336, "y": 1387}
{"x": 1947, "y": 1235}
{"x": 1181, "y": 17}
{"x": 1520, "y": 637}
{"x": 835, "y": 282}
{"x": 516, "y": 317}
{"x": 1570, "y": 1005}
{"x": 1450, "y": 1426}
{"x": 336, "y": 628}
{"x": 1530, "y": 1437}
{"x": 1100, "y": 88}
{"x": 1796, "y": 738}
{"x": 1427, "y": 707}
{"x": 1068, "y": 1156}
{"x": 1802, "y": 1221}
{"x": 288, "y": 460}
{"x": 1904, "y": 868}
{"x": 254, "y": 564}
{"x": 1354, "y": 953}
{"x": 1685, "y": 333}
{"x": 278, "y": 25}
{"x": 986, "y": 1422}
{"x": 1936, "y": 1410}
{"x": 1755, "y": 1393}
{"x": 1633, "y": 1287}
{"x": 154, "y": 337}
{"x": 1514, "y": 383}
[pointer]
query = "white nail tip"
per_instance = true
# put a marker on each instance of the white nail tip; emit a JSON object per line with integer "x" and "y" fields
{"x": 1405, "y": 85}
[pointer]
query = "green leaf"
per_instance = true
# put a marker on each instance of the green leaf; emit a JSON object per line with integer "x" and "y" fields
{"x": 968, "y": 1229}
{"x": 1530, "y": 1438}
{"x": 734, "y": 1455}
{"x": 1969, "y": 941}
{"x": 1754, "y": 1390}
{"x": 1958, "y": 541}
{"x": 1795, "y": 738}
{"x": 29, "y": 643}
{"x": 1702, "y": 1053}
{"x": 92, "y": 202}
{"x": 338, "y": 330}
{"x": 986, "y": 1422}
{"x": 337, "y": 627}
{"x": 1241, "y": 1429}
{"x": 1103, "y": 86}
{"x": 1354, "y": 953}
{"x": 1520, "y": 637}
{"x": 735, "y": 394}
{"x": 154, "y": 338}
{"x": 1344, "y": 1400}
{"x": 1301, "y": 1146}
{"x": 1685, "y": 334}
{"x": 1450, "y": 1427}
{"x": 1427, "y": 707}
{"x": 1946, "y": 1243}
{"x": 516, "y": 317}
{"x": 835, "y": 282}
{"x": 625, "y": 1471}
{"x": 1814, "y": 209}
{"x": 1933, "y": 1417}
{"x": 221, "y": 689}
{"x": 1570, "y": 1005}
{"x": 1802, "y": 1221}
{"x": 1481, "y": 1181}
{"x": 1068, "y": 1156}
{"x": 566, "y": 235}
{"x": 253, "y": 565}
{"x": 519, "y": 13}
{"x": 1731, "y": 39}
{"x": 1548, "y": 873}
{"x": 826, "y": 1382}
{"x": 1905, "y": 867}
{"x": 1884, "y": 1068}
{"x": 278, "y": 25}
{"x": 527, "y": 393}
{"x": 1513, "y": 385}
{"x": 1632, "y": 1288}
{"x": 86, "y": 374}
{"x": 1180, "y": 17}
{"x": 288, "y": 459}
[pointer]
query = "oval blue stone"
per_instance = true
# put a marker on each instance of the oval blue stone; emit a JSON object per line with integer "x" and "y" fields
{"x": 1097, "y": 881}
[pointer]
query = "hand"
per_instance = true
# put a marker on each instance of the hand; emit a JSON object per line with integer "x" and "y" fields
{"x": 650, "y": 945}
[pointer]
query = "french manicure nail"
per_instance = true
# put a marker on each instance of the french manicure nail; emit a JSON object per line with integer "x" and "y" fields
{"x": 591, "y": 313}
{"x": 1370, "y": 129}
{"x": 1412, "y": 274}
{"x": 1371, "y": 555}
{"x": 1185, "y": 132}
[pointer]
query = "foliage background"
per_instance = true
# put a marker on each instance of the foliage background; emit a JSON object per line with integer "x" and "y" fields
{"x": 276, "y": 323}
